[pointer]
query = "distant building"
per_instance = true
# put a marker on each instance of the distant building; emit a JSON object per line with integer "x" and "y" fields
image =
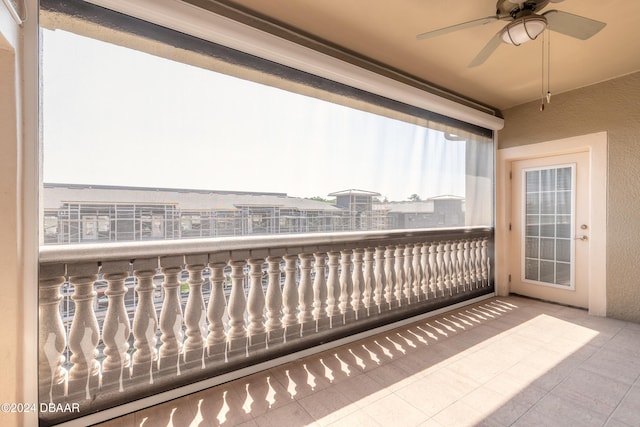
{"x": 359, "y": 204}
{"x": 440, "y": 211}
{"x": 75, "y": 213}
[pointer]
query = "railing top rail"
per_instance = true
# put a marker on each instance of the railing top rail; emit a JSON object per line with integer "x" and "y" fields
{"x": 276, "y": 243}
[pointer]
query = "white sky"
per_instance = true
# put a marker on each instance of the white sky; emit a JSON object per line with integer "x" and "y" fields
{"x": 120, "y": 117}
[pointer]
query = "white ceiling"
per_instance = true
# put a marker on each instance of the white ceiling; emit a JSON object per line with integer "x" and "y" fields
{"x": 385, "y": 31}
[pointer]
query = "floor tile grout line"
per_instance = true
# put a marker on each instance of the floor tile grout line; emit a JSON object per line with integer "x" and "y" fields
{"x": 396, "y": 341}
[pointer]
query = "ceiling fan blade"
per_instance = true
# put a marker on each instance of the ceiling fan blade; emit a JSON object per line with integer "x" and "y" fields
{"x": 573, "y": 25}
{"x": 457, "y": 27}
{"x": 486, "y": 52}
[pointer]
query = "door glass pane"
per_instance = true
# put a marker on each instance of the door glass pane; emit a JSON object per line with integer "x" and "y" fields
{"x": 548, "y": 179}
{"x": 547, "y": 225}
{"x": 531, "y": 269}
{"x": 564, "y": 202}
{"x": 533, "y": 181}
{"x": 532, "y": 230}
{"x": 548, "y": 203}
{"x": 533, "y": 203}
{"x": 547, "y": 271}
{"x": 563, "y": 250}
{"x": 563, "y": 274}
{"x": 548, "y": 243}
{"x": 563, "y": 226}
{"x": 531, "y": 248}
{"x": 547, "y": 249}
{"x": 564, "y": 179}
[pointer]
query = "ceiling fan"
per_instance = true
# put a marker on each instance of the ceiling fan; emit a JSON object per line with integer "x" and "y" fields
{"x": 525, "y": 25}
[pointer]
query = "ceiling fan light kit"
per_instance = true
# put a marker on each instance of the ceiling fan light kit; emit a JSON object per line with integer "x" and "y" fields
{"x": 524, "y": 29}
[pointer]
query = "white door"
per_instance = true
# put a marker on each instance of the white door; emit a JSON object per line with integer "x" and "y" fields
{"x": 550, "y": 228}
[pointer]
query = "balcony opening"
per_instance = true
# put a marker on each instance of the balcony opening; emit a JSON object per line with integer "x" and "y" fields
{"x": 205, "y": 210}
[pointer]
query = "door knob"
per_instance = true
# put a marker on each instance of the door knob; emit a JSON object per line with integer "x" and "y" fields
{"x": 583, "y": 237}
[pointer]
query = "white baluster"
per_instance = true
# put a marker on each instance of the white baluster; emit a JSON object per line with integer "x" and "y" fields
{"x": 171, "y": 314}
{"x": 409, "y": 277}
{"x": 357, "y": 298}
{"x": 217, "y": 338}
{"x": 486, "y": 264}
{"x": 400, "y": 282}
{"x": 237, "y": 334}
{"x": 346, "y": 286}
{"x": 84, "y": 334}
{"x": 448, "y": 269}
{"x": 381, "y": 280}
{"x": 473, "y": 264}
{"x": 483, "y": 262}
{"x": 256, "y": 304}
{"x": 440, "y": 266}
{"x": 333, "y": 287}
{"x": 433, "y": 269}
{"x": 145, "y": 320}
{"x": 418, "y": 273}
{"x": 290, "y": 297}
{"x": 320, "y": 291}
{"x": 52, "y": 337}
{"x": 467, "y": 265}
{"x": 426, "y": 270}
{"x": 195, "y": 311}
{"x": 369, "y": 279}
{"x": 390, "y": 272}
{"x": 274, "y": 295}
{"x": 116, "y": 328}
{"x": 305, "y": 293}
{"x": 460, "y": 266}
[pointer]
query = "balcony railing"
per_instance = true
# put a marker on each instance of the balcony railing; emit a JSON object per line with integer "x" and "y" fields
{"x": 227, "y": 304}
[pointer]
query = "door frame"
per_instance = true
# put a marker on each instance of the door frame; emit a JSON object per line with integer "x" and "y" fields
{"x": 596, "y": 146}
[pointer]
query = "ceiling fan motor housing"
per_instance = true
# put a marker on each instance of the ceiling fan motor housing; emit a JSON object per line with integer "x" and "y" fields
{"x": 515, "y": 8}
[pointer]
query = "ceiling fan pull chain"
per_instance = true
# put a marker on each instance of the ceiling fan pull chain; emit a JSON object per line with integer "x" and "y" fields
{"x": 542, "y": 78}
{"x": 548, "y": 67}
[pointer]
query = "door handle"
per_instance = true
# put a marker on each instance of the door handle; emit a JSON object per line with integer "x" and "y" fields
{"x": 582, "y": 237}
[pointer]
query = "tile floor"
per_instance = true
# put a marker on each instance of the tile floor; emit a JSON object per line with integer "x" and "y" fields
{"x": 503, "y": 362}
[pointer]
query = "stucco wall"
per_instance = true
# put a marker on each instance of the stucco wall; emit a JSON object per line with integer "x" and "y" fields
{"x": 10, "y": 374}
{"x": 18, "y": 214}
{"x": 612, "y": 106}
